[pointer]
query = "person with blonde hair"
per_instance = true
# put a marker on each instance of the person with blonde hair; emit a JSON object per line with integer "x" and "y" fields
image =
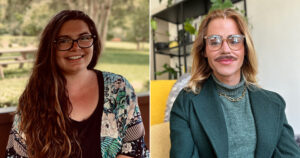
{"x": 223, "y": 112}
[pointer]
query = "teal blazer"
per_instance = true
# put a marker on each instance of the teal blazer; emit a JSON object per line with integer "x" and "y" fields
{"x": 198, "y": 128}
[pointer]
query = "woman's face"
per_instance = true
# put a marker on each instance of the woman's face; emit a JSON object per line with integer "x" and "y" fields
{"x": 76, "y": 58}
{"x": 224, "y": 59}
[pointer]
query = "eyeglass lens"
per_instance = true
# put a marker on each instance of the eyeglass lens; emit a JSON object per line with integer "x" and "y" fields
{"x": 66, "y": 43}
{"x": 235, "y": 42}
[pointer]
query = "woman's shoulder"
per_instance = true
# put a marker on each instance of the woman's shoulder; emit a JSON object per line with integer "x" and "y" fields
{"x": 16, "y": 122}
{"x": 116, "y": 85}
{"x": 16, "y": 146}
{"x": 111, "y": 78}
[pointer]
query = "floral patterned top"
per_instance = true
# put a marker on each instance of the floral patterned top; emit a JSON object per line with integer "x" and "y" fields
{"x": 122, "y": 130}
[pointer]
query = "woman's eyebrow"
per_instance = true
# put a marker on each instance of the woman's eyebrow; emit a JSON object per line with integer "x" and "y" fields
{"x": 63, "y": 36}
{"x": 83, "y": 33}
{"x": 67, "y": 36}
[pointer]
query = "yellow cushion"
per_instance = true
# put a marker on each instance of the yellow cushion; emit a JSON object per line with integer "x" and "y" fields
{"x": 160, "y": 140}
{"x": 160, "y": 90}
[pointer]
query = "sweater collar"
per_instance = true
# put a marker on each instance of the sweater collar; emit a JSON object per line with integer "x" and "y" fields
{"x": 235, "y": 90}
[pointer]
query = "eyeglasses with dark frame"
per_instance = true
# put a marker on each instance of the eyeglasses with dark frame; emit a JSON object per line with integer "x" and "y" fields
{"x": 215, "y": 42}
{"x": 66, "y": 43}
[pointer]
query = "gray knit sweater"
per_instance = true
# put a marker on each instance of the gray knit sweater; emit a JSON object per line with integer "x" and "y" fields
{"x": 239, "y": 120}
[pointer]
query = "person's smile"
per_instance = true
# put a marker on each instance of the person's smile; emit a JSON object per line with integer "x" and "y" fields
{"x": 226, "y": 60}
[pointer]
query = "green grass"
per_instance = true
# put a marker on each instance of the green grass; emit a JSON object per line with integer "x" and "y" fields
{"x": 126, "y": 45}
{"x": 126, "y": 61}
{"x": 10, "y": 90}
{"x": 132, "y": 64}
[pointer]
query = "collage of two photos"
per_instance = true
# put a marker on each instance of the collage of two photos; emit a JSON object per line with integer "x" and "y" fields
{"x": 224, "y": 79}
{"x": 141, "y": 79}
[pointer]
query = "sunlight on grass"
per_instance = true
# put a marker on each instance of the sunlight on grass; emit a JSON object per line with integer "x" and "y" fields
{"x": 9, "y": 41}
{"x": 10, "y": 91}
{"x": 131, "y": 64}
{"x": 126, "y": 45}
{"x": 137, "y": 75}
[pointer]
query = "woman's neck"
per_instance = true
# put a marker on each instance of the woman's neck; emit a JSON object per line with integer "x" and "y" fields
{"x": 78, "y": 80}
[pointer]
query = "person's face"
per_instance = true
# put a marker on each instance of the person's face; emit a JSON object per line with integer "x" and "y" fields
{"x": 225, "y": 60}
{"x": 74, "y": 59}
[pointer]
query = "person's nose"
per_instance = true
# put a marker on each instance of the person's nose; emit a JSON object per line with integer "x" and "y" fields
{"x": 225, "y": 47}
{"x": 75, "y": 46}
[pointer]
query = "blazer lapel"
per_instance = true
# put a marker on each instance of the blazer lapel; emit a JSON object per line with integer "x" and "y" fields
{"x": 266, "y": 117}
{"x": 210, "y": 114}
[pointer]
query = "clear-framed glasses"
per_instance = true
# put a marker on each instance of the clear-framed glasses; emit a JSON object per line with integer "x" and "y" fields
{"x": 66, "y": 43}
{"x": 215, "y": 42}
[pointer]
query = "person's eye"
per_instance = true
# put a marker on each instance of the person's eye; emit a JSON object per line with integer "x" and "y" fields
{"x": 234, "y": 40}
{"x": 215, "y": 41}
{"x": 85, "y": 38}
{"x": 64, "y": 41}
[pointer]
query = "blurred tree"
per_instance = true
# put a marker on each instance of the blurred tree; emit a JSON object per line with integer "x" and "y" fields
{"x": 139, "y": 24}
{"x": 120, "y": 19}
{"x": 27, "y": 17}
{"x": 124, "y": 18}
{"x": 139, "y": 31}
{"x": 3, "y": 6}
{"x": 36, "y": 17}
{"x": 13, "y": 14}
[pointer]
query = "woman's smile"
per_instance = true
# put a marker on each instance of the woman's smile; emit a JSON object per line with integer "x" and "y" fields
{"x": 74, "y": 58}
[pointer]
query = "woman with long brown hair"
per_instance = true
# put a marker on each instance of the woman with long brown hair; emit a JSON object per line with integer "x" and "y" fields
{"x": 69, "y": 109}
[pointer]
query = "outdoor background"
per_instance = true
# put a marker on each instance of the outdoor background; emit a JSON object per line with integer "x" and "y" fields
{"x": 122, "y": 24}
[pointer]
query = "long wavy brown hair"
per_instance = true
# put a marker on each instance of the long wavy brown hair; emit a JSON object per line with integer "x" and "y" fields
{"x": 44, "y": 106}
{"x": 200, "y": 67}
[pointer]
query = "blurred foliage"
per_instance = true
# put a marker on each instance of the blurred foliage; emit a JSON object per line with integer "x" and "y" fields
{"x": 170, "y": 2}
{"x": 223, "y": 4}
{"x": 173, "y": 73}
{"x": 36, "y": 17}
{"x": 139, "y": 32}
{"x": 29, "y": 17}
{"x": 220, "y": 4}
{"x": 132, "y": 17}
{"x": 188, "y": 27}
{"x": 153, "y": 24}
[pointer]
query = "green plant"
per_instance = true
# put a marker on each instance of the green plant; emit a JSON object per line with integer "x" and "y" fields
{"x": 153, "y": 24}
{"x": 188, "y": 27}
{"x": 219, "y": 4}
{"x": 223, "y": 4}
{"x": 171, "y": 71}
{"x": 170, "y": 2}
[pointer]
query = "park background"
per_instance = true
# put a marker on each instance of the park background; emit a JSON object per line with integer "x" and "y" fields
{"x": 123, "y": 26}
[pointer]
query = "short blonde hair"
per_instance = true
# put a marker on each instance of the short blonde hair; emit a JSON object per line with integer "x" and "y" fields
{"x": 200, "y": 68}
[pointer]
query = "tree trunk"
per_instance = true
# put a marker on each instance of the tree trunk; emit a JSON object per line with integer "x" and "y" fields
{"x": 106, "y": 13}
{"x": 137, "y": 45}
